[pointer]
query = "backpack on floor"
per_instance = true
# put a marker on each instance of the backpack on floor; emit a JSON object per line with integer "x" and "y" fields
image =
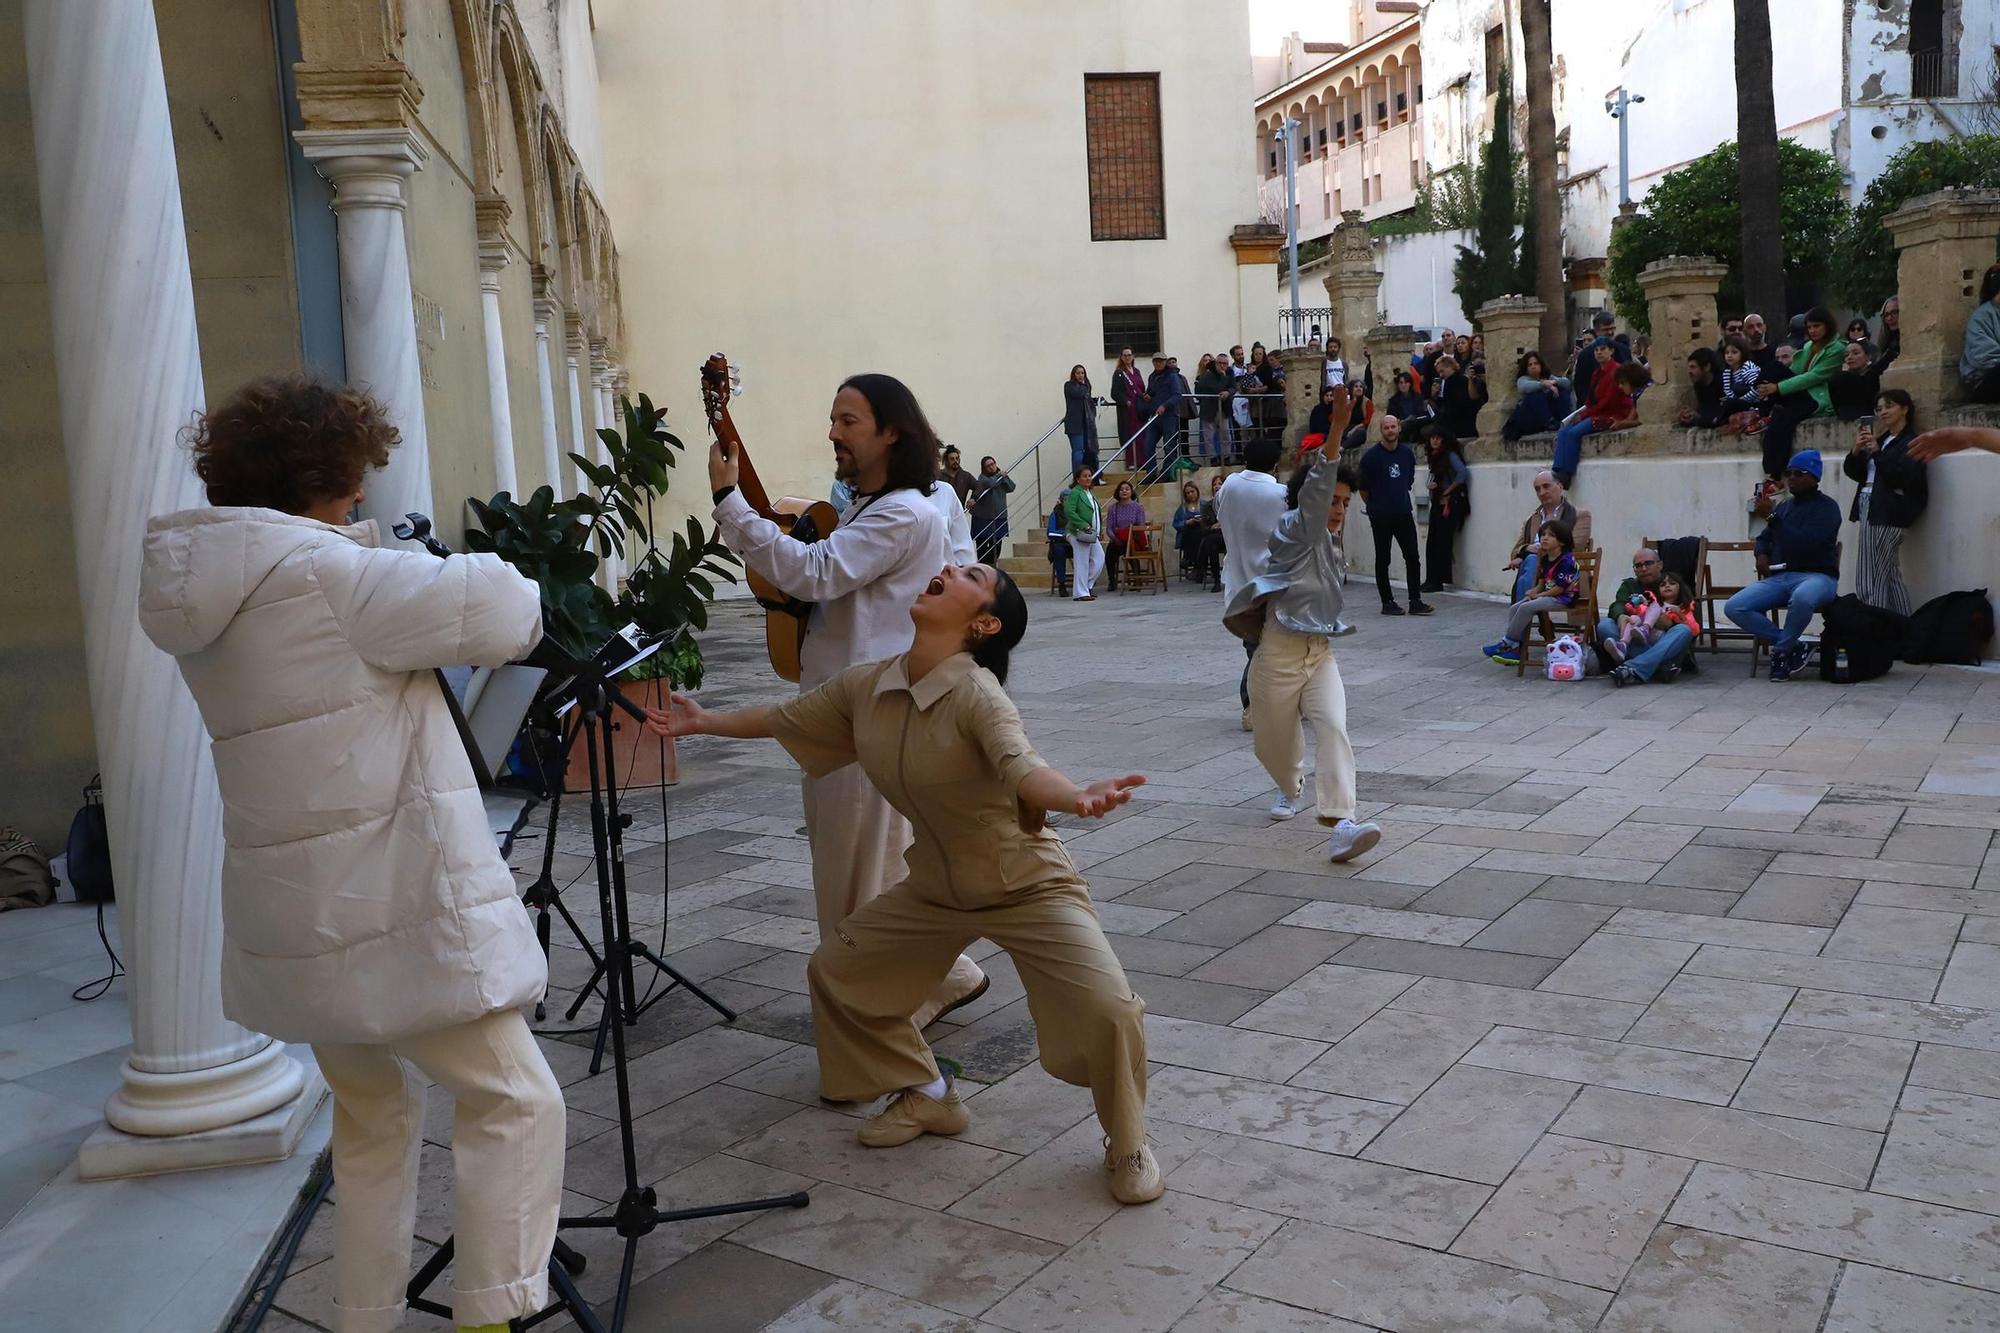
{"x": 1565, "y": 658}
{"x": 1953, "y": 628}
{"x": 1859, "y": 642}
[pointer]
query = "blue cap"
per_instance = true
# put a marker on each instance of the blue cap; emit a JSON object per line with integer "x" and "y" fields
{"x": 1807, "y": 460}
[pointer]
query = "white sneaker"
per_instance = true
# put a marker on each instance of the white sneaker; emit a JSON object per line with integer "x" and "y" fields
{"x": 1284, "y": 807}
{"x": 1246, "y": 719}
{"x": 1350, "y": 840}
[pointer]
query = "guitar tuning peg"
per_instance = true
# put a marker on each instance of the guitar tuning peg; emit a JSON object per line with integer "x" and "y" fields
{"x": 735, "y": 381}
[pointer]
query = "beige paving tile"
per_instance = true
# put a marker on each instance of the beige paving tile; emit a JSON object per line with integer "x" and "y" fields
{"x": 844, "y": 1305}
{"x": 1025, "y": 1110}
{"x": 961, "y": 1266}
{"x": 1955, "y": 1069}
{"x": 675, "y": 1070}
{"x": 1947, "y": 1025}
{"x": 1875, "y": 1300}
{"x": 1886, "y": 871}
{"x": 1857, "y": 1225}
{"x": 1326, "y": 1003}
{"x": 1697, "y": 1282}
{"x": 1712, "y": 1016}
{"x": 1944, "y": 1147}
{"x": 1893, "y": 980}
{"x": 1379, "y": 1199}
{"x": 1393, "y": 1285}
{"x": 1610, "y": 1064}
{"x": 1426, "y": 864}
{"x": 1393, "y": 1056}
{"x": 1394, "y": 925}
{"x": 1575, "y": 1210}
{"x": 1903, "y": 935}
{"x": 1802, "y": 900}
{"x": 1972, "y": 977}
{"x": 932, "y": 1171}
{"x": 1518, "y": 1008}
{"x": 1476, "y": 1124}
{"x": 1225, "y": 1311}
{"x": 1841, "y": 1078}
{"x": 1981, "y": 903}
{"x": 1141, "y": 1270}
{"x": 1708, "y": 930}
{"x": 1630, "y": 870}
{"x": 1228, "y": 1050}
{"x": 1620, "y": 967}
{"x": 1318, "y": 1120}
{"x": 1750, "y": 1139}
{"x": 1058, "y": 1192}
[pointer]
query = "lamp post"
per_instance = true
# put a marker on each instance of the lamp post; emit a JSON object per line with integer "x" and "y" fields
{"x": 1618, "y": 105}
{"x": 1287, "y": 135}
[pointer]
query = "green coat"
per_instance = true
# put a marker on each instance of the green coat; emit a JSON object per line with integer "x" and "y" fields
{"x": 1812, "y": 369}
{"x": 1081, "y": 514}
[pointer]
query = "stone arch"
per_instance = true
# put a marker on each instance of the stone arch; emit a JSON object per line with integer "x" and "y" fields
{"x": 471, "y": 23}
{"x": 524, "y": 93}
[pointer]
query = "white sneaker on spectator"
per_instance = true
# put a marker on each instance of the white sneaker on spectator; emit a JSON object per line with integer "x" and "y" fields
{"x": 1284, "y": 807}
{"x": 1350, "y": 840}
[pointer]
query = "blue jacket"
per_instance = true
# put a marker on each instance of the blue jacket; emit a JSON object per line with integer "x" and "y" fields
{"x": 1803, "y": 535}
{"x": 1982, "y": 341}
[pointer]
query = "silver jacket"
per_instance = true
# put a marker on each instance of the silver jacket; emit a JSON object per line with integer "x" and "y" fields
{"x": 1302, "y": 580}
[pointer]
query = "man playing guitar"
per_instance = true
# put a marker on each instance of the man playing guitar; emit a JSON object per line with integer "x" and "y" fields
{"x": 862, "y": 580}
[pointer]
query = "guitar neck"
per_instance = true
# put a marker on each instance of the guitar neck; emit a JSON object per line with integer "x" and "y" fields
{"x": 747, "y": 481}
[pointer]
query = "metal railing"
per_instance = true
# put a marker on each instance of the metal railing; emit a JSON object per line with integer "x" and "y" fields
{"x": 1931, "y": 75}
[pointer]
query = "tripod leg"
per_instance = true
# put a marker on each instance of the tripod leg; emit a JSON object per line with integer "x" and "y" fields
{"x": 680, "y": 980}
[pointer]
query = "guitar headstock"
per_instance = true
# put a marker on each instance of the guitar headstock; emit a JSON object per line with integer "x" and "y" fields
{"x": 721, "y": 380}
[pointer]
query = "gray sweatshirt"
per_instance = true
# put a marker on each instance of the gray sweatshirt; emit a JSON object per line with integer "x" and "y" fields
{"x": 1302, "y": 580}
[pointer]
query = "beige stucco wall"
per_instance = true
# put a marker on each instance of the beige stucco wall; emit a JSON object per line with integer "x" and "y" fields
{"x": 821, "y": 188}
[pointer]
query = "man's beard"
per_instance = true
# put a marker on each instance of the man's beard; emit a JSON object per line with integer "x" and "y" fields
{"x": 844, "y": 468}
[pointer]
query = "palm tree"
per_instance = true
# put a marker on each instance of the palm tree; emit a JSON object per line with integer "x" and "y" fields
{"x": 1544, "y": 202}
{"x": 1757, "y": 166}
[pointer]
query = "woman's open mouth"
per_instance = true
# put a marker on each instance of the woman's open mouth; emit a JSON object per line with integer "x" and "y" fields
{"x": 934, "y": 587}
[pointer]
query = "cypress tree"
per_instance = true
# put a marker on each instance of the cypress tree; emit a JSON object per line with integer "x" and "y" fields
{"x": 1491, "y": 265}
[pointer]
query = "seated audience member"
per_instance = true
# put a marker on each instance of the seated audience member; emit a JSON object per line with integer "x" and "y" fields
{"x": 1668, "y": 653}
{"x": 1451, "y": 503}
{"x": 1786, "y": 354}
{"x": 1551, "y": 505}
{"x": 1802, "y": 394}
{"x": 1892, "y": 490}
{"x": 1406, "y": 404}
{"x": 1213, "y": 547}
{"x": 1731, "y": 328}
{"x": 1852, "y": 388}
{"x": 1058, "y": 539}
{"x": 1701, "y": 401}
{"x": 1762, "y": 353}
{"x": 1798, "y": 566}
{"x": 1640, "y": 587}
{"x": 1553, "y": 591}
{"x": 1979, "y": 366}
{"x": 1545, "y": 399}
{"x": 1742, "y": 407}
{"x": 1891, "y": 341}
{"x": 1321, "y": 422}
{"x": 1613, "y": 405}
{"x": 1659, "y": 635}
{"x": 1456, "y": 398}
{"x": 1583, "y": 375}
{"x": 1187, "y": 526}
{"x": 1857, "y": 332}
{"x": 1125, "y": 514}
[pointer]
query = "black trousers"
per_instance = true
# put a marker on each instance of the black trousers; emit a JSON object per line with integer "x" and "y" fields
{"x": 1792, "y": 409}
{"x": 1243, "y": 686}
{"x": 1438, "y": 543}
{"x": 1402, "y": 530}
{"x": 1984, "y": 387}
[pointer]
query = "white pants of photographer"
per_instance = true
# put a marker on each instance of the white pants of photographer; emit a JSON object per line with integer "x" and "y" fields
{"x": 507, "y": 1165}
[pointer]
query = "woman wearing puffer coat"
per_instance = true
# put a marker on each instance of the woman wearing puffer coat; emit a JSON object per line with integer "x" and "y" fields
{"x": 365, "y": 907}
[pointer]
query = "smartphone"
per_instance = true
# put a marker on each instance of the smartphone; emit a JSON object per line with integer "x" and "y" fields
{"x": 1867, "y": 421}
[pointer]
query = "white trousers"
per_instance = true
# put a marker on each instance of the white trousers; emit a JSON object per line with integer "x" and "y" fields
{"x": 1294, "y": 684}
{"x": 507, "y": 1169}
{"x": 1087, "y": 563}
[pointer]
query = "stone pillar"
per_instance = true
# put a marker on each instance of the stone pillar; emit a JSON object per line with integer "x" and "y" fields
{"x": 546, "y": 314}
{"x": 575, "y": 356}
{"x": 1945, "y": 244}
{"x": 1680, "y": 305}
{"x": 1305, "y": 371}
{"x": 1353, "y": 284}
{"x": 1513, "y": 327}
{"x": 492, "y": 211}
{"x": 377, "y": 305}
{"x": 197, "y": 1089}
{"x": 1389, "y": 347}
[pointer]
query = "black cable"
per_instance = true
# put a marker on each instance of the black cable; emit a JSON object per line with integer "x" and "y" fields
{"x": 98, "y": 987}
{"x": 286, "y": 1247}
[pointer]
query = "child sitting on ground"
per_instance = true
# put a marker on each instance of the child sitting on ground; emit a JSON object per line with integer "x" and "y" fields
{"x": 1646, "y": 616}
{"x": 1555, "y": 590}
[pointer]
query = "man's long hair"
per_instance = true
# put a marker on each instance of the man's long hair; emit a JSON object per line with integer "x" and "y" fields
{"x": 913, "y": 456}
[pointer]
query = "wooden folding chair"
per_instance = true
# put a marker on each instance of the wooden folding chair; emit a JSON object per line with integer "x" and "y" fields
{"x": 1579, "y": 617}
{"x": 1145, "y": 559}
{"x": 1713, "y": 596}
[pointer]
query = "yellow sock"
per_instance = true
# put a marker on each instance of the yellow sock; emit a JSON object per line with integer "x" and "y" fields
{"x": 485, "y": 1328}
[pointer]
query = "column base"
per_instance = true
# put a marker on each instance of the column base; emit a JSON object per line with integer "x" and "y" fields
{"x": 111, "y": 1153}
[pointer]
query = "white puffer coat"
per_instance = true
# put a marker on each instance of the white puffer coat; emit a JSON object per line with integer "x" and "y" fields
{"x": 363, "y": 898}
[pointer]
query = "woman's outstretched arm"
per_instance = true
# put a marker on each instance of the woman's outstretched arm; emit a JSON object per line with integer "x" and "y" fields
{"x": 684, "y": 717}
{"x": 1047, "y": 789}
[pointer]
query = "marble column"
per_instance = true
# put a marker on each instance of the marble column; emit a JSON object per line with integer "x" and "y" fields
{"x": 377, "y": 304}
{"x": 492, "y": 211}
{"x": 575, "y": 356}
{"x": 600, "y": 395}
{"x": 197, "y": 1090}
{"x": 547, "y": 313}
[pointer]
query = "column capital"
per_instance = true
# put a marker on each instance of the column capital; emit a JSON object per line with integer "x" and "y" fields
{"x": 365, "y": 94}
{"x": 1257, "y": 242}
{"x": 490, "y": 213}
{"x": 1682, "y": 275}
{"x": 1947, "y": 215}
{"x": 366, "y": 166}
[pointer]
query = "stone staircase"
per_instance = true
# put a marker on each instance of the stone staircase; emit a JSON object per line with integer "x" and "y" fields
{"x": 1027, "y": 554}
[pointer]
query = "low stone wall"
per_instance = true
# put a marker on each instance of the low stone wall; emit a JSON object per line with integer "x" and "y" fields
{"x": 1641, "y": 483}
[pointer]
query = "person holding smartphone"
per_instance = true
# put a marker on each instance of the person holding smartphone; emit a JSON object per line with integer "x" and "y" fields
{"x": 1893, "y": 489}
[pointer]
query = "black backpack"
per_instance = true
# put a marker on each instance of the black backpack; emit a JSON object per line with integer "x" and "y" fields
{"x": 1954, "y": 628}
{"x": 1859, "y": 642}
{"x": 89, "y": 849}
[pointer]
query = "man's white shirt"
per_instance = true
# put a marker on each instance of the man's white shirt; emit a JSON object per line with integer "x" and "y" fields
{"x": 1248, "y": 506}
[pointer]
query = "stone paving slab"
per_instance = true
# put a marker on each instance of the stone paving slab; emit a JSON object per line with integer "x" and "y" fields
{"x": 1658, "y": 1009}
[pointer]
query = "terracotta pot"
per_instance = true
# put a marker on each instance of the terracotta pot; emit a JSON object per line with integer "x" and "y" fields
{"x": 643, "y": 759}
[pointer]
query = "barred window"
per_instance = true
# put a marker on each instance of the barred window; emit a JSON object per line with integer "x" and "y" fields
{"x": 1121, "y": 114}
{"x": 1133, "y": 326}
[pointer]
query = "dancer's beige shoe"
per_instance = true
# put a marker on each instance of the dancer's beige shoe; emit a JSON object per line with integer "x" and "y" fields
{"x": 911, "y": 1115}
{"x": 962, "y": 985}
{"x": 1135, "y": 1177}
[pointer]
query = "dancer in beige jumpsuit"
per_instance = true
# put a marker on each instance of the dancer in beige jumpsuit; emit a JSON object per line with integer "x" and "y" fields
{"x": 938, "y": 736}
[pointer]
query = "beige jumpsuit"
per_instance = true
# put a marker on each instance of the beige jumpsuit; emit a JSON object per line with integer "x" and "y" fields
{"x": 950, "y": 755}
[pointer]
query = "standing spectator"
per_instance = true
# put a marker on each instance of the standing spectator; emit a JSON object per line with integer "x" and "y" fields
{"x": 1455, "y": 397}
{"x": 953, "y": 474}
{"x": 1545, "y": 399}
{"x": 990, "y": 490}
{"x": 1803, "y": 394}
{"x": 1551, "y": 503}
{"x": 1893, "y": 490}
{"x": 1212, "y": 386}
{"x": 1555, "y": 590}
{"x": 1612, "y": 406}
{"x": 1336, "y": 368}
{"x": 1128, "y": 391}
{"x": 1891, "y": 341}
{"x": 1742, "y": 407}
{"x": 1451, "y": 502}
{"x": 1057, "y": 535}
{"x": 1701, "y": 401}
{"x": 1979, "y": 366}
{"x": 1080, "y": 419}
{"x": 1852, "y": 388}
{"x": 1168, "y": 389}
{"x": 1798, "y": 566}
{"x": 1387, "y": 472}
{"x": 1125, "y": 515}
{"x": 1083, "y": 524}
{"x": 1857, "y": 332}
{"x": 1244, "y": 385}
{"x": 1271, "y": 403}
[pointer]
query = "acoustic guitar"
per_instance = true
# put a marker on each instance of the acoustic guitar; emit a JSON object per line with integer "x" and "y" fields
{"x": 785, "y": 616}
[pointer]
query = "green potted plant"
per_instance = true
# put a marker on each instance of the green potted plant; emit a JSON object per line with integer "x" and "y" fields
{"x": 561, "y": 545}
